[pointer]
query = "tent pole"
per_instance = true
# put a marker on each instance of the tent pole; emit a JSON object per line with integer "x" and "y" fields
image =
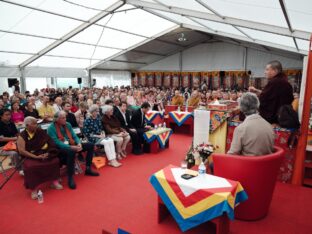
{"x": 302, "y": 142}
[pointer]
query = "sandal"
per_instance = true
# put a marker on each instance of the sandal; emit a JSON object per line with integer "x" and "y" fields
{"x": 118, "y": 156}
{"x": 114, "y": 163}
{"x": 34, "y": 195}
{"x": 123, "y": 154}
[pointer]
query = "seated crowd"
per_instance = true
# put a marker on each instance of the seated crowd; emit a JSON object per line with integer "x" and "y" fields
{"x": 108, "y": 118}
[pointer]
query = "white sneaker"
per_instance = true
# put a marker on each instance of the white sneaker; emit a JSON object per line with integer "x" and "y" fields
{"x": 21, "y": 173}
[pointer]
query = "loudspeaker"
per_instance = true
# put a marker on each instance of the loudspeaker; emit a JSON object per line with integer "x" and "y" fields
{"x": 93, "y": 82}
{"x": 222, "y": 73}
{"x": 11, "y": 82}
{"x": 79, "y": 80}
{"x": 249, "y": 72}
{"x": 132, "y": 74}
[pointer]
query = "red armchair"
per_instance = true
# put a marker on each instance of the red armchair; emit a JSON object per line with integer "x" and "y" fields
{"x": 257, "y": 175}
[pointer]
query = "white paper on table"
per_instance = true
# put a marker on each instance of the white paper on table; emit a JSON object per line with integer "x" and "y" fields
{"x": 190, "y": 186}
{"x": 201, "y": 127}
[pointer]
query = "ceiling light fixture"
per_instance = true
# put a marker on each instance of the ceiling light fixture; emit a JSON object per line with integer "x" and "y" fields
{"x": 181, "y": 37}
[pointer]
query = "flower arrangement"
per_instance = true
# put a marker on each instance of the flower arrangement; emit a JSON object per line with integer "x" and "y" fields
{"x": 203, "y": 151}
{"x": 199, "y": 152}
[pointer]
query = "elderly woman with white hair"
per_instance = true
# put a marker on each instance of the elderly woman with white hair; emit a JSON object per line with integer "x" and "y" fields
{"x": 255, "y": 135}
{"x": 113, "y": 129}
{"x": 41, "y": 157}
{"x": 93, "y": 130}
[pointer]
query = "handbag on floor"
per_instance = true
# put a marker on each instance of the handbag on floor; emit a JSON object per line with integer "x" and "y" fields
{"x": 99, "y": 162}
{"x": 10, "y": 146}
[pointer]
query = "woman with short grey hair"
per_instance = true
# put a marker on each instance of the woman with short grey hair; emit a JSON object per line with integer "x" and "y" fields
{"x": 249, "y": 103}
{"x": 113, "y": 129}
{"x": 255, "y": 135}
{"x": 93, "y": 130}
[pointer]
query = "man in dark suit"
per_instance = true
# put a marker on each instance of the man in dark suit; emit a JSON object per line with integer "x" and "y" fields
{"x": 123, "y": 115}
{"x": 138, "y": 121}
{"x": 70, "y": 117}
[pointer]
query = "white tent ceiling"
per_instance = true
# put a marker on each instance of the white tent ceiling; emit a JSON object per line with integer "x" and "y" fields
{"x": 115, "y": 34}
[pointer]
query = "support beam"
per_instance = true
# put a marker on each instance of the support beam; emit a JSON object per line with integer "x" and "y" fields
{"x": 210, "y": 9}
{"x": 22, "y": 80}
{"x": 75, "y": 31}
{"x": 122, "y": 61}
{"x": 160, "y": 15}
{"x": 301, "y": 153}
{"x": 282, "y": 3}
{"x": 228, "y": 20}
{"x": 54, "y": 38}
{"x": 48, "y": 55}
{"x": 147, "y": 52}
{"x": 263, "y": 43}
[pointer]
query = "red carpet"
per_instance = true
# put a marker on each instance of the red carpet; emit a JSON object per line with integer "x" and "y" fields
{"x": 124, "y": 198}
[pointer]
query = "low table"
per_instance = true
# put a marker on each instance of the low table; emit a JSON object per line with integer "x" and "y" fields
{"x": 154, "y": 117}
{"x": 157, "y": 139}
{"x": 181, "y": 121}
{"x": 197, "y": 200}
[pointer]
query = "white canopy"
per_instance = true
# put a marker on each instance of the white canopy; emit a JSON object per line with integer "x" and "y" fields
{"x": 87, "y": 34}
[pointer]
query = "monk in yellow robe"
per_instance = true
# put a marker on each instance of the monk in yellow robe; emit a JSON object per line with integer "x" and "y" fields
{"x": 177, "y": 99}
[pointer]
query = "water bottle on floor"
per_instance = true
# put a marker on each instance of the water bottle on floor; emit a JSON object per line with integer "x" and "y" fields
{"x": 40, "y": 197}
{"x": 202, "y": 170}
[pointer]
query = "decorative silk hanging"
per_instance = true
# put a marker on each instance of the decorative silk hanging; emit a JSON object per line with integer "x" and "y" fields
{"x": 186, "y": 83}
{"x": 175, "y": 76}
{"x": 167, "y": 79}
{"x": 150, "y": 79}
{"x": 142, "y": 79}
{"x": 158, "y": 79}
{"x": 196, "y": 79}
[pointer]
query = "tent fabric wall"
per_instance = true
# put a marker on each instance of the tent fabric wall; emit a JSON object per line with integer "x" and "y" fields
{"x": 223, "y": 56}
{"x": 256, "y": 61}
{"x": 111, "y": 78}
{"x": 170, "y": 63}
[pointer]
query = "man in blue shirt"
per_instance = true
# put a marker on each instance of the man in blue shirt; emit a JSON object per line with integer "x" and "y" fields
{"x": 69, "y": 144}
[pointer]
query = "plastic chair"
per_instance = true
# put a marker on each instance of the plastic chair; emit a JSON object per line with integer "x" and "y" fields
{"x": 257, "y": 175}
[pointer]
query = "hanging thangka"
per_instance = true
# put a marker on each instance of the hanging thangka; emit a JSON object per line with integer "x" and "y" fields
{"x": 215, "y": 79}
{"x": 245, "y": 80}
{"x": 158, "y": 79}
{"x": 233, "y": 80}
{"x": 150, "y": 79}
{"x": 175, "y": 79}
{"x": 142, "y": 79}
{"x": 135, "y": 79}
{"x": 205, "y": 78}
{"x": 167, "y": 79}
{"x": 196, "y": 79}
{"x": 240, "y": 80}
{"x": 185, "y": 79}
{"x": 227, "y": 80}
{"x": 210, "y": 83}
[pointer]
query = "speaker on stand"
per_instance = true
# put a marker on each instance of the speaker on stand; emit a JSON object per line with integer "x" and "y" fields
{"x": 79, "y": 80}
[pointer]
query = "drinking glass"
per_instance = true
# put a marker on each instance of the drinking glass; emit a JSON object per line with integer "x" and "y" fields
{"x": 183, "y": 166}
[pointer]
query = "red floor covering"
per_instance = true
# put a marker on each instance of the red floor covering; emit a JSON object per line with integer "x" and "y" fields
{"x": 124, "y": 198}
